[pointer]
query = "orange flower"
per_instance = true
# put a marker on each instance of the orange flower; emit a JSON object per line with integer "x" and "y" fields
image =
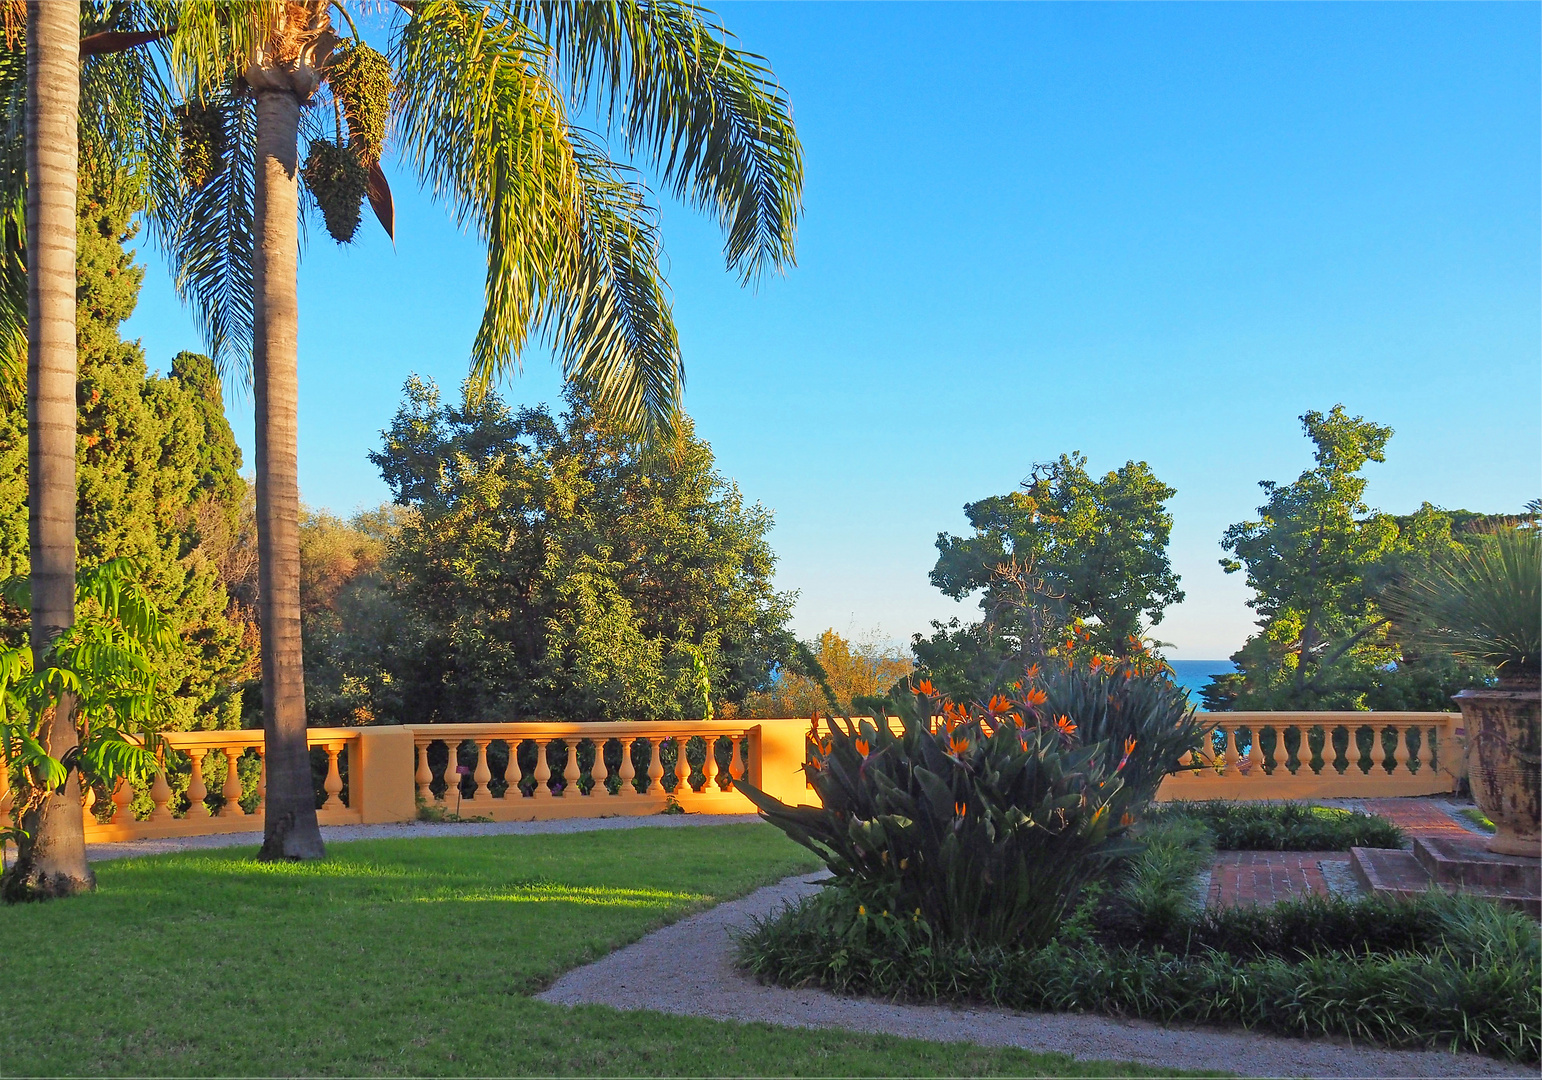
{"x": 1033, "y": 671}
{"x": 1064, "y": 725}
{"x": 1036, "y": 697}
{"x": 998, "y": 705}
{"x": 813, "y": 765}
{"x": 956, "y": 713}
{"x": 1129, "y": 746}
{"x": 959, "y": 809}
{"x": 926, "y": 688}
{"x": 1097, "y": 662}
{"x": 960, "y": 745}
{"x": 862, "y": 747}
{"x": 1016, "y": 718}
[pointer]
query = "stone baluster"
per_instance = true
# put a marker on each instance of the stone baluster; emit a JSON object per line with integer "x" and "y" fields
{"x": 1231, "y": 749}
{"x": 424, "y": 776}
{"x": 682, "y": 767}
{"x": 600, "y": 771}
{"x": 1400, "y": 751}
{"x": 655, "y": 767}
{"x": 231, "y": 789}
{"x": 736, "y": 763}
{"x": 122, "y": 798}
{"x": 482, "y": 775}
{"x": 542, "y": 771}
{"x": 511, "y": 771}
{"x": 87, "y": 806}
{"x": 197, "y": 790}
{"x": 262, "y": 780}
{"x": 627, "y": 772}
{"x": 451, "y": 775}
{"x": 1378, "y": 754}
{"x": 570, "y": 773}
{"x": 334, "y": 782}
{"x": 709, "y": 767}
{"x": 160, "y": 795}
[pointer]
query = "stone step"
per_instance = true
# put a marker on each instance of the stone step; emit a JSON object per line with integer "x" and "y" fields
{"x": 1469, "y": 864}
{"x": 1392, "y": 872}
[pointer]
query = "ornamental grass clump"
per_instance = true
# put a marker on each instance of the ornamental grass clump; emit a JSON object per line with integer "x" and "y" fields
{"x": 982, "y": 822}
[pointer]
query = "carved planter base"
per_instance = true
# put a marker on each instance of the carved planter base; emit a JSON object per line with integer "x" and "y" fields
{"x": 1504, "y": 738}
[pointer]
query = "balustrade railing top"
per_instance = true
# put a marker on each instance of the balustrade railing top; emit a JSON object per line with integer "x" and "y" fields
{"x": 214, "y": 781}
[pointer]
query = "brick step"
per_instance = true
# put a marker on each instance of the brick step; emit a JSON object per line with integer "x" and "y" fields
{"x": 1468, "y": 863}
{"x": 1392, "y": 872}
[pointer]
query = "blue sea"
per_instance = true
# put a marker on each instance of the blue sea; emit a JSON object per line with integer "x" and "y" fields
{"x": 1194, "y": 674}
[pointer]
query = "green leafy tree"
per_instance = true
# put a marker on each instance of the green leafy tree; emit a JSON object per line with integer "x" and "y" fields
{"x": 101, "y": 674}
{"x": 550, "y": 567}
{"x": 1067, "y": 549}
{"x": 1318, "y": 560}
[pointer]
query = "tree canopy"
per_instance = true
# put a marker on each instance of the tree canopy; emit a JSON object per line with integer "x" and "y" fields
{"x": 1319, "y": 560}
{"x": 546, "y": 566}
{"x": 1065, "y": 549}
{"x": 157, "y": 474}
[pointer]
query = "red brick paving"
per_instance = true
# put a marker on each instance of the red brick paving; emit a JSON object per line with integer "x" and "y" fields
{"x": 1417, "y": 817}
{"x": 1263, "y": 877}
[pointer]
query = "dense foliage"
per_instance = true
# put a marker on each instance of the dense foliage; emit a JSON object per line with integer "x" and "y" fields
{"x": 1319, "y": 562}
{"x": 858, "y": 674}
{"x": 158, "y": 480}
{"x": 544, "y": 566}
{"x": 1443, "y": 972}
{"x": 1067, "y": 549}
{"x": 984, "y": 821}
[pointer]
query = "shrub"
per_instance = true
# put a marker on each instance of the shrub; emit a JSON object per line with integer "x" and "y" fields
{"x": 1468, "y": 978}
{"x": 1284, "y": 826}
{"x": 984, "y": 821}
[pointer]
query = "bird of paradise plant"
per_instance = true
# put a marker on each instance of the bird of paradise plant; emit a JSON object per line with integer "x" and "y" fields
{"x": 986, "y": 819}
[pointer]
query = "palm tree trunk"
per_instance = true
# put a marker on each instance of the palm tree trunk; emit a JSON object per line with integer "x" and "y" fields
{"x": 52, "y": 859}
{"x": 289, "y": 829}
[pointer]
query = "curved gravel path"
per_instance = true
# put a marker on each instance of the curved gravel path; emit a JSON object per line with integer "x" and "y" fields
{"x": 698, "y": 952}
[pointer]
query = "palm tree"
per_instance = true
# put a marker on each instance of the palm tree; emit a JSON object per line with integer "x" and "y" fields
{"x": 479, "y": 113}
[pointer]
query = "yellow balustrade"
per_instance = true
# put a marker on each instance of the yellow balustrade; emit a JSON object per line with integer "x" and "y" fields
{"x": 391, "y": 770}
{"x": 1317, "y": 755}
{"x": 595, "y": 788}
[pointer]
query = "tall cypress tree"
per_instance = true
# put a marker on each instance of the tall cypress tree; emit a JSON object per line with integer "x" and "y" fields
{"x": 157, "y": 476}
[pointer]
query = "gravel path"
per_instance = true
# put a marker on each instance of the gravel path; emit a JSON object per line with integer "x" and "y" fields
{"x": 698, "y": 952}
{"x": 335, "y": 834}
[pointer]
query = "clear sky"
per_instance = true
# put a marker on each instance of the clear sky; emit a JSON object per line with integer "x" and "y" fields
{"x": 1158, "y": 232}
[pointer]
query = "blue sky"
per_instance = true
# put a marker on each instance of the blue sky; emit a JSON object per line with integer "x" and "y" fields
{"x": 1158, "y": 232}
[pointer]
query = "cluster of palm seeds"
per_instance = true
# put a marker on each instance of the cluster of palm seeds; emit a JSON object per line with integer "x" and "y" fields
{"x": 338, "y": 182}
{"x": 201, "y": 134}
{"x": 360, "y": 79}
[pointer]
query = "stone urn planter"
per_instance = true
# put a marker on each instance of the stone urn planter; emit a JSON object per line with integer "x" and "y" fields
{"x": 1504, "y": 762}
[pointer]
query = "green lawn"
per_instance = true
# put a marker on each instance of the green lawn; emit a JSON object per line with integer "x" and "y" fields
{"x": 410, "y": 957}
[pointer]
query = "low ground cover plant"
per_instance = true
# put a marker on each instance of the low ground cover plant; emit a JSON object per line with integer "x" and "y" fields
{"x": 1283, "y": 826}
{"x": 1439, "y": 971}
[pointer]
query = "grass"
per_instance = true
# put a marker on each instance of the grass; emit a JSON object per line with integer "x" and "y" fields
{"x": 1285, "y": 826}
{"x": 1474, "y": 815}
{"x": 412, "y": 957}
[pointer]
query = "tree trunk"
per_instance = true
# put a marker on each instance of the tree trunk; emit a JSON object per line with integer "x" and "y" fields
{"x": 52, "y": 860}
{"x": 289, "y": 828}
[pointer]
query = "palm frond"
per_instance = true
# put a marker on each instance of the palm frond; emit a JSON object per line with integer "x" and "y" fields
{"x": 488, "y": 134}
{"x": 709, "y": 116}
{"x": 613, "y": 327}
{"x": 207, "y": 232}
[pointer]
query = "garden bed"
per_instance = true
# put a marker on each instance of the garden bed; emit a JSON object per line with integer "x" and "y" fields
{"x": 1436, "y": 972}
